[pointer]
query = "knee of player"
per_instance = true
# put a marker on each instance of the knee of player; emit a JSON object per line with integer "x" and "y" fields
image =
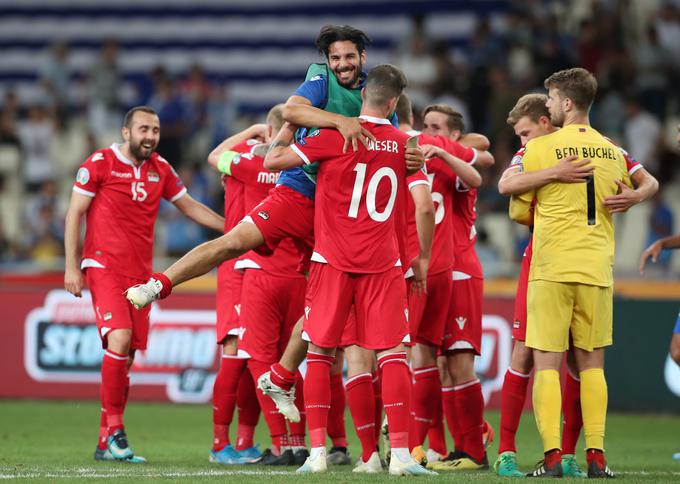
{"x": 119, "y": 340}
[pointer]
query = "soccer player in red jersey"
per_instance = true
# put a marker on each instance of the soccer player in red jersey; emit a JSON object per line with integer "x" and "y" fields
{"x": 530, "y": 118}
{"x": 356, "y": 262}
{"x": 462, "y": 336}
{"x": 119, "y": 190}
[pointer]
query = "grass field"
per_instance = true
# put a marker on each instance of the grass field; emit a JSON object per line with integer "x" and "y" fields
{"x": 44, "y": 441}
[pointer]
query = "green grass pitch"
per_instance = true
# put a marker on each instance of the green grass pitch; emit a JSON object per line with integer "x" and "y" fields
{"x": 46, "y": 441}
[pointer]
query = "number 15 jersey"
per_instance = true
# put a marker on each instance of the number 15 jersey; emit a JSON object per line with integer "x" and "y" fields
{"x": 573, "y": 231}
{"x": 356, "y": 193}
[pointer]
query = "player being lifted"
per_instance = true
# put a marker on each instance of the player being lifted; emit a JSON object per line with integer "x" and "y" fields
{"x": 530, "y": 119}
{"x": 356, "y": 261}
{"x": 119, "y": 190}
{"x": 570, "y": 279}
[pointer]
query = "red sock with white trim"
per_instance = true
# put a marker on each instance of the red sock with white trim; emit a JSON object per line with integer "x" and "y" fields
{"x": 513, "y": 396}
{"x": 470, "y": 410}
{"x": 298, "y": 430}
{"x": 362, "y": 407}
{"x": 114, "y": 382}
{"x": 396, "y": 393}
{"x": 224, "y": 398}
{"x": 248, "y": 411}
{"x": 102, "y": 442}
{"x": 426, "y": 388}
{"x": 449, "y": 409}
{"x": 336, "y": 415}
{"x": 435, "y": 435}
{"x": 281, "y": 377}
{"x": 571, "y": 409}
{"x": 318, "y": 396}
{"x": 275, "y": 421}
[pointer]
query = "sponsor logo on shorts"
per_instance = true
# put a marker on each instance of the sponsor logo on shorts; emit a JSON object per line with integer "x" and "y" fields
{"x": 460, "y": 321}
{"x": 263, "y": 214}
{"x": 83, "y": 176}
{"x": 62, "y": 345}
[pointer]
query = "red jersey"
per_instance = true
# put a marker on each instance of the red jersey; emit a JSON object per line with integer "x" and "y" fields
{"x": 121, "y": 217}
{"x": 249, "y": 171}
{"x": 405, "y": 221}
{"x": 356, "y": 193}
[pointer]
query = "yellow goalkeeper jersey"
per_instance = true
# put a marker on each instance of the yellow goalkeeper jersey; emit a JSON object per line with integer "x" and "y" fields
{"x": 573, "y": 231}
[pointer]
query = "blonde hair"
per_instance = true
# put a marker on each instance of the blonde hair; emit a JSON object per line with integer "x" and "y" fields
{"x": 531, "y": 106}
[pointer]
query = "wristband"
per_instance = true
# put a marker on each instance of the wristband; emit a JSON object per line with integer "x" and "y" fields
{"x": 165, "y": 282}
{"x": 225, "y": 161}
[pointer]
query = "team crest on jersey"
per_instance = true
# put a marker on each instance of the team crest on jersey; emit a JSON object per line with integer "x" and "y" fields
{"x": 516, "y": 324}
{"x": 107, "y": 316}
{"x": 252, "y": 142}
{"x": 83, "y": 176}
{"x": 153, "y": 177}
{"x": 264, "y": 214}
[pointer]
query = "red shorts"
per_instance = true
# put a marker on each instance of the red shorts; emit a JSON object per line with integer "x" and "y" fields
{"x": 111, "y": 308}
{"x": 228, "y": 300}
{"x": 284, "y": 213}
{"x": 379, "y": 301}
{"x": 349, "y": 333}
{"x": 427, "y": 313}
{"x": 464, "y": 322}
{"x": 519, "y": 325}
{"x": 270, "y": 307}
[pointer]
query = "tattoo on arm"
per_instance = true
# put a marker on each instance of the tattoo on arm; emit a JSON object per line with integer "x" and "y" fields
{"x": 275, "y": 145}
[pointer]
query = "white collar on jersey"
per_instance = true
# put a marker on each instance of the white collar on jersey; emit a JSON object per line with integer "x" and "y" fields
{"x": 116, "y": 150}
{"x": 371, "y": 119}
{"x": 413, "y": 132}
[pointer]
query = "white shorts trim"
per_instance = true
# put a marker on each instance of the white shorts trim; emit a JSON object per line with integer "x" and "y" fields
{"x": 460, "y": 276}
{"x": 460, "y": 345}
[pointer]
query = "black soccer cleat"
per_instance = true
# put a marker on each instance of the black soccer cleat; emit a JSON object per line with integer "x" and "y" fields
{"x": 595, "y": 471}
{"x": 542, "y": 470}
{"x": 299, "y": 456}
{"x": 269, "y": 459}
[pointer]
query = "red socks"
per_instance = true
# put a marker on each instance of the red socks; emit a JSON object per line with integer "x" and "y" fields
{"x": 470, "y": 412}
{"x": 513, "y": 397}
{"x": 571, "y": 409}
{"x": 426, "y": 388}
{"x": 282, "y": 377}
{"x": 362, "y": 407}
{"x": 435, "y": 435}
{"x": 248, "y": 411}
{"x": 377, "y": 393}
{"x": 275, "y": 421}
{"x": 396, "y": 392}
{"x": 114, "y": 384}
{"x": 336, "y": 415}
{"x": 318, "y": 396}
{"x": 449, "y": 407}
{"x": 103, "y": 423}
{"x": 298, "y": 430}
{"x": 224, "y": 398}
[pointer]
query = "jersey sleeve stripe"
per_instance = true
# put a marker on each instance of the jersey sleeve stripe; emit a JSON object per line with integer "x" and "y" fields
{"x": 179, "y": 195}
{"x": 83, "y": 192}
{"x": 634, "y": 168}
{"x": 474, "y": 157}
{"x": 299, "y": 152}
{"x": 418, "y": 182}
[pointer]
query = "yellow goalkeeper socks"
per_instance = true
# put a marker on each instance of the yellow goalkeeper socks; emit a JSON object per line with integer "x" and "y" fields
{"x": 547, "y": 399}
{"x": 594, "y": 406}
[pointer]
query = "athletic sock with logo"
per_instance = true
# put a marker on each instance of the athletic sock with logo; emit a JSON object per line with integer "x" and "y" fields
{"x": 336, "y": 415}
{"x": 114, "y": 382}
{"x": 396, "y": 392}
{"x": 318, "y": 396}
{"x": 470, "y": 412}
{"x": 281, "y": 377}
{"x": 426, "y": 387}
{"x": 362, "y": 407}
{"x": 275, "y": 421}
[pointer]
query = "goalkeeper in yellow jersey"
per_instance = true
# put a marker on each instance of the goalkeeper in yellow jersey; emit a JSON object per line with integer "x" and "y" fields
{"x": 570, "y": 291}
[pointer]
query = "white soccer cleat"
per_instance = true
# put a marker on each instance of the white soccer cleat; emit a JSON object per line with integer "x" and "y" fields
{"x": 408, "y": 468}
{"x": 141, "y": 295}
{"x": 314, "y": 465}
{"x": 284, "y": 400}
{"x": 433, "y": 456}
{"x": 371, "y": 466}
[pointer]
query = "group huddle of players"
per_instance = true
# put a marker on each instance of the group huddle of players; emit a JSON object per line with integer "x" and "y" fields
{"x": 361, "y": 251}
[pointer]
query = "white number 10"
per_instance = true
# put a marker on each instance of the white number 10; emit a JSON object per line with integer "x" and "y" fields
{"x": 383, "y": 172}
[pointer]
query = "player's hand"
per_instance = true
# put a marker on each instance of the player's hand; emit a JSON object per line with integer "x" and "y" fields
{"x": 652, "y": 251}
{"x": 74, "y": 281}
{"x": 419, "y": 267}
{"x": 566, "y": 171}
{"x": 259, "y": 131}
{"x": 431, "y": 151}
{"x": 352, "y": 130}
{"x": 623, "y": 200}
{"x": 415, "y": 159}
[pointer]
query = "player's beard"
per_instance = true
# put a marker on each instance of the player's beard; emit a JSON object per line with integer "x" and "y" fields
{"x": 140, "y": 152}
{"x": 557, "y": 119}
{"x": 352, "y": 82}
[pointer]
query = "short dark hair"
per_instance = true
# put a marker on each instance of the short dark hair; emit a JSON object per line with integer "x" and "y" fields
{"x": 384, "y": 82}
{"x": 454, "y": 120}
{"x": 336, "y": 33}
{"x": 530, "y": 105}
{"x": 404, "y": 109}
{"x": 127, "y": 120}
{"x": 577, "y": 84}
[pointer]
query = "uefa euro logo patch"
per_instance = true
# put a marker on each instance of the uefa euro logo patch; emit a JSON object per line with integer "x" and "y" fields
{"x": 83, "y": 176}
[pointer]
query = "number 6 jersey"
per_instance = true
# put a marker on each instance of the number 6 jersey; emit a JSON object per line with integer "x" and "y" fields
{"x": 121, "y": 217}
{"x": 356, "y": 195}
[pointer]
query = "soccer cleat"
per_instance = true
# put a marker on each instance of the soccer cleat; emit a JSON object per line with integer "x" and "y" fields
{"x": 418, "y": 454}
{"x": 463, "y": 463}
{"x": 338, "y": 456}
{"x": 300, "y": 456}
{"x": 433, "y": 456}
{"x": 251, "y": 454}
{"x": 542, "y": 470}
{"x": 103, "y": 454}
{"x": 506, "y": 465}
{"x": 371, "y": 466}
{"x": 598, "y": 471}
{"x": 141, "y": 295}
{"x": 570, "y": 467}
{"x": 227, "y": 455}
{"x": 408, "y": 468}
{"x": 119, "y": 446}
{"x": 283, "y": 399}
{"x": 269, "y": 459}
{"x": 488, "y": 434}
{"x": 314, "y": 466}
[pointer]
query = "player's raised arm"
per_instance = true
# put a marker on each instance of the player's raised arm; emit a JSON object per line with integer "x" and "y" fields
{"x": 515, "y": 182}
{"x": 256, "y": 131}
{"x": 73, "y": 276}
{"x": 465, "y": 171}
{"x": 281, "y": 156}
{"x": 476, "y": 141}
{"x": 521, "y": 208}
{"x": 645, "y": 187}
